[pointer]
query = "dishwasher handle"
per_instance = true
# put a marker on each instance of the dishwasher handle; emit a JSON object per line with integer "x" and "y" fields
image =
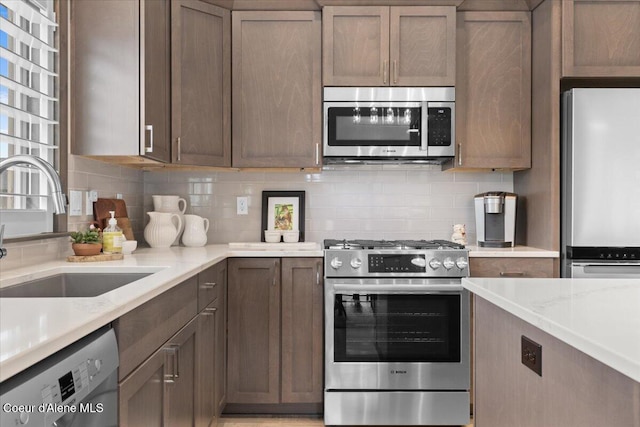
{"x": 605, "y": 270}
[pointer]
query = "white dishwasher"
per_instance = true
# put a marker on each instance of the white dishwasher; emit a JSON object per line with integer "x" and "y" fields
{"x": 77, "y": 386}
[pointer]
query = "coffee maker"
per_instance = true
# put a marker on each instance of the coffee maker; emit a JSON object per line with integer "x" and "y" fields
{"x": 496, "y": 219}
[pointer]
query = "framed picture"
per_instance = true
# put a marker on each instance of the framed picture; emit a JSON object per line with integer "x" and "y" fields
{"x": 282, "y": 210}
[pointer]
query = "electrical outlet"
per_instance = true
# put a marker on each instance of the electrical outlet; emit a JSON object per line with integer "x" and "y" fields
{"x": 531, "y": 355}
{"x": 118, "y": 195}
{"x": 242, "y": 206}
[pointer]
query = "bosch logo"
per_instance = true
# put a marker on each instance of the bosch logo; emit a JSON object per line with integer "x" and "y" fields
{"x": 389, "y": 151}
{"x": 393, "y": 371}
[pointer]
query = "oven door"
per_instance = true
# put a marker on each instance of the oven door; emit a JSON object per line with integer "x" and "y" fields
{"x": 396, "y": 334}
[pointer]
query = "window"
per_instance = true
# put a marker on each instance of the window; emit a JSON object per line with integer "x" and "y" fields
{"x": 29, "y": 117}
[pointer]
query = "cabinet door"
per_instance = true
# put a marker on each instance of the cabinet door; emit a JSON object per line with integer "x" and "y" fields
{"x": 201, "y": 83}
{"x": 157, "y": 80}
{"x": 220, "y": 304}
{"x": 302, "y": 351}
{"x": 601, "y": 38}
{"x": 105, "y": 78}
{"x": 180, "y": 380}
{"x": 355, "y": 46}
{"x": 254, "y": 330}
{"x": 422, "y": 46}
{"x": 206, "y": 408}
{"x": 493, "y": 90}
{"x": 141, "y": 396}
{"x": 277, "y": 92}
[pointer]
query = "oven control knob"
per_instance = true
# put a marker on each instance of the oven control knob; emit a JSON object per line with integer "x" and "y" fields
{"x": 356, "y": 262}
{"x": 462, "y": 263}
{"x": 434, "y": 263}
{"x": 336, "y": 263}
{"x": 448, "y": 263}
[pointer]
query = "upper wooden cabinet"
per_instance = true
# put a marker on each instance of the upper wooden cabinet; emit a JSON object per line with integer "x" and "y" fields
{"x": 601, "y": 38}
{"x": 277, "y": 91}
{"x": 381, "y": 46}
{"x": 493, "y": 90}
{"x": 119, "y": 79}
{"x": 151, "y": 79}
{"x": 201, "y": 83}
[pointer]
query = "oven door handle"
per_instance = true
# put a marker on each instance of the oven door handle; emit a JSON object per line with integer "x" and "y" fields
{"x": 399, "y": 288}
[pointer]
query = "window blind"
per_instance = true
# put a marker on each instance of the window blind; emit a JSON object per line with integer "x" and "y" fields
{"x": 29, "y": 116}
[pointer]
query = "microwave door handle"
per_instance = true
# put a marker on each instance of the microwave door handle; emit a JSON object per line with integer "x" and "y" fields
{"x": 424, "y": 125}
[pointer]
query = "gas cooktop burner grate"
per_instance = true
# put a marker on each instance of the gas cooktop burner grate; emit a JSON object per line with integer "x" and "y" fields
{"x": 391, "y": 244}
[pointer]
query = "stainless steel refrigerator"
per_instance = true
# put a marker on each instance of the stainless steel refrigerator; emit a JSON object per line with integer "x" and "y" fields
{"x": 600, "y": 224}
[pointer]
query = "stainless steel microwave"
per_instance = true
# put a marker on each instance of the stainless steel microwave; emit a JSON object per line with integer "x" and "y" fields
{"x": 388, "y": 124}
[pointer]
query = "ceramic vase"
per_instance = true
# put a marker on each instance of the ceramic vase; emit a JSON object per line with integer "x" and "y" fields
{"x": 171, "y": 204}
{"x": 195, "y": 231}
{"x": 162, "y": 229}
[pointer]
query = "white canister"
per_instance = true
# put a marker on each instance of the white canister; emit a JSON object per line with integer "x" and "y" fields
{"x": 195, "y": 231}
{"x": 172, "y": 204}
{"x": 162, "y": 229}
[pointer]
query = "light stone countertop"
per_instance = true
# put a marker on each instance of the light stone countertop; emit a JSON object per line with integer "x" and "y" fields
{"x": 599, "y": 317}
{"x": 33, "y": 328}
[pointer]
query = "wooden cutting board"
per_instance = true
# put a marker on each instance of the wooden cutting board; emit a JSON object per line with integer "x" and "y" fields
{"x": 101, "y": 214}
{"x": 94, "y": 258}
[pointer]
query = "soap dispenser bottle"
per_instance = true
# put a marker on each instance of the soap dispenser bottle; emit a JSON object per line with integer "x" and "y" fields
{"x": 112, "y": 237}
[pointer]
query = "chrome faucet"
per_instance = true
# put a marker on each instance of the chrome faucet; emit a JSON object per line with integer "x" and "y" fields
{"x": 59, "y": 200}
{"x": 3, "y": 251}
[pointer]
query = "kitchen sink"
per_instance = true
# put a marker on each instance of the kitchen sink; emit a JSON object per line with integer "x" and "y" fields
{"x": 71, "y": 285}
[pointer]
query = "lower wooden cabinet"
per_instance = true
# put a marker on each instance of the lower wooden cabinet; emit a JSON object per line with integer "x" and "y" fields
{"x": 275, "y": 331}
{"x": 511, "y": 267}
{"x": 177, "y": 380}
{"x": 160, "y": 391}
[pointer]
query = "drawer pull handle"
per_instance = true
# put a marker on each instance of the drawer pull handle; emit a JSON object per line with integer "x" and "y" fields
{"x": 208, "y": 285}
{"x": 209, "y": 311}
{"x": 512, "y": 274}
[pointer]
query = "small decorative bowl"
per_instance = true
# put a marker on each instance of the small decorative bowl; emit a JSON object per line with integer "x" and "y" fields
{"x": 129, "y": 246}
{"x": 272, "y": 236}
{"x": 291, "y": 236}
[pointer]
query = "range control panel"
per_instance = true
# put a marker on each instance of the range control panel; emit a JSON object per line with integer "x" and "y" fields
{"x": 385, "y": 263}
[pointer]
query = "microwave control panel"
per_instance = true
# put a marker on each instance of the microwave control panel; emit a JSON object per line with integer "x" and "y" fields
{"x": 439, "y": 126}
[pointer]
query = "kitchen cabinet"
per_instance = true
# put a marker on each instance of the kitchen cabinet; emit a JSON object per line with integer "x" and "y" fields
{"x": 163, "y": 94}
{"x": 601, "y": 38}
{"x": 511, "y": 267}
{"x": 493, "y": 90}
{"x": 172, "y": 360}
{"x": 277, "y": 91}
{"x": 161, "y": 390}
{"x": 212, "y": 344}
{"x": 389, "y": 46}
{"x": 201, "y": 83}
{"x": 120, "y": 103}
{"x": 275, "y": 331}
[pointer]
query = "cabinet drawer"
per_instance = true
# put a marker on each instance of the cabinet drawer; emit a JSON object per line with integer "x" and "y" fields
{"x": 210, "y": 283}
{"x": 143, "y": 330}
{"x": 511, "y": 267}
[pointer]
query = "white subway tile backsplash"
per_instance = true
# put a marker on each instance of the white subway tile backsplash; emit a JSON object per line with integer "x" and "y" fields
{"x": 343, "y": 203}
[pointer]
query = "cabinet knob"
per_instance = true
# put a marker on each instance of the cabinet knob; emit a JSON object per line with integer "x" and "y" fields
{"x": 395, "y": 71}
{"x": 459, "y": 154}
{"x": 208, "y": 285}
{"x": 512, "y": 274}
{"x": 179, "y": 148}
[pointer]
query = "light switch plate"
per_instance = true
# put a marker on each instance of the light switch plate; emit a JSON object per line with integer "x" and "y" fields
{"x": 75, "y": 203}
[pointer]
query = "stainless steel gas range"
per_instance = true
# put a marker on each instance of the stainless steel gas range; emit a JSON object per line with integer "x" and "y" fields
{"x": 396, "y": 333}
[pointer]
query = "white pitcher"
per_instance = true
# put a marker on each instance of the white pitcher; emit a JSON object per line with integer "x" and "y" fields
{"x": 195, "y": 230}
{"x": 162, "y": 229}
{"x": 171, "y": 203}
